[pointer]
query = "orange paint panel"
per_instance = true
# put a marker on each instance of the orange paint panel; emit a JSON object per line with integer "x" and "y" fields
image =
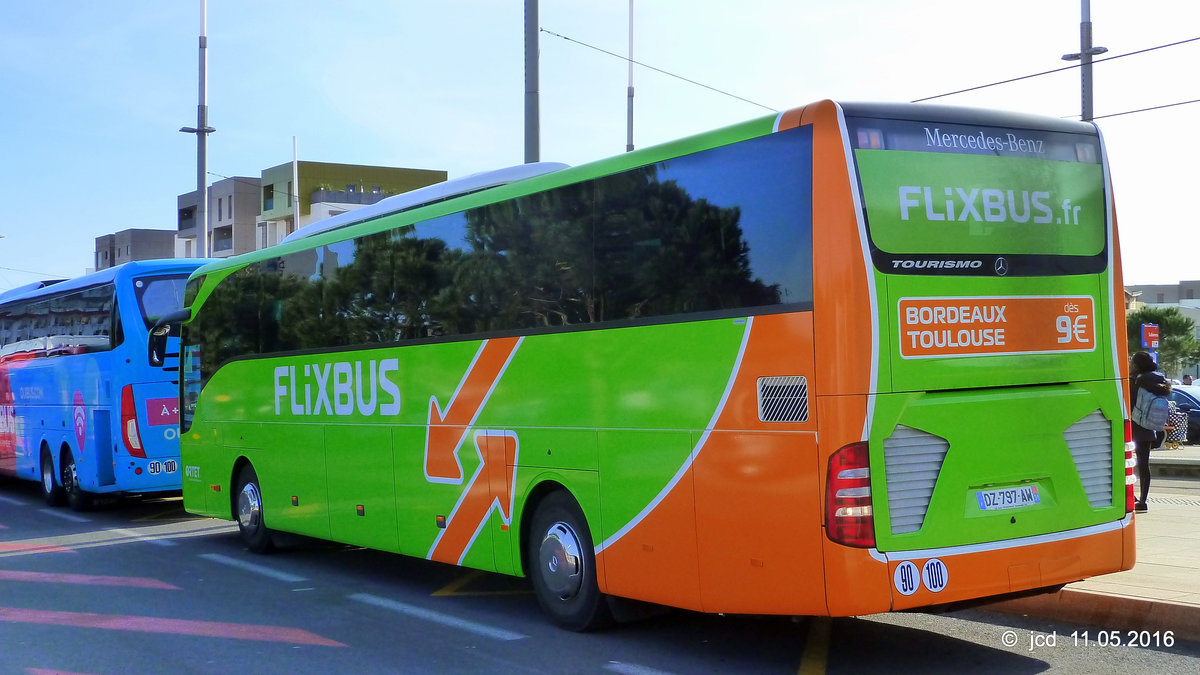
{"x": 844, "y": 329}
{"x": 962, "y": 326}
{"x": 758, "y": 511}
{"x": 856, "y": 582}
{"x": 656, "y": 561}
{"x": 1011, "y": 570}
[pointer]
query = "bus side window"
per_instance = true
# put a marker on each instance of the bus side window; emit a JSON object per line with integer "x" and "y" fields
{"x": 117, "y": 336}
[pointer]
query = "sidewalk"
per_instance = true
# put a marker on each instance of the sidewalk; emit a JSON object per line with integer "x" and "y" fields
{"x": 1162, "y": 591}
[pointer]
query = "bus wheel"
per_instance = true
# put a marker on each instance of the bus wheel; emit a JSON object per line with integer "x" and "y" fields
{"x": 563, "y": 565}
{"x": 250, "y": 511}
{"x": 51, "y": 491}
{"x": 77, "y": 499}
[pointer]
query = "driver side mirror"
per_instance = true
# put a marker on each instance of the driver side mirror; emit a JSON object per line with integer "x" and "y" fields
{"x": 156, "y": 347}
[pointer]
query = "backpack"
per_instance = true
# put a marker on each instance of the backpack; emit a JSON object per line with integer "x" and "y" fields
{"x": 1151, "y": 411}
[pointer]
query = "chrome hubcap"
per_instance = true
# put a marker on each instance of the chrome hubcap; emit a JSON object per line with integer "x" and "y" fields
{"x": 249, "y": 506}
{"x": 560, "y": 561}
{"x": 70, "y": 478}
{"x": 48, "y": 476}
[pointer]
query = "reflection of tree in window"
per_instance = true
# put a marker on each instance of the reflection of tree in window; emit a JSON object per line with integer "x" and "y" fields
{"x": 629, "y": 246}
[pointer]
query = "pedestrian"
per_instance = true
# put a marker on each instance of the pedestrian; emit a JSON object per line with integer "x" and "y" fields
{"x": 1143, "y": 374}
{"x": 1187, "y": 379}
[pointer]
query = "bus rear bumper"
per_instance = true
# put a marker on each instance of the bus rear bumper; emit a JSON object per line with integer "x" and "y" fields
{"x": 962, "y": 573}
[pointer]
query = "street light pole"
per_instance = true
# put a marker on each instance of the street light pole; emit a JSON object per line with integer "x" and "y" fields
{"x": 1086, "y": 52}
{"x": 629, "y": 105}
{"x": 202, "y": 130}
{"x": 532, "y": 122}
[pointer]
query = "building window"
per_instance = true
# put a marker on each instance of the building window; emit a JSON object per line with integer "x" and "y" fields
{"x": 291, "y": 195}
{"x": 268, "y": 198}
{"x": 220, "y": 208}
{"x": 1160, "y": 298}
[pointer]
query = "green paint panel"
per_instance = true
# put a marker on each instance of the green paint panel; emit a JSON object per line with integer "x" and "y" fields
{"x": 997, "y": 438}
{"x": 360, "y": 466}
{"x": 929, "y": 374}
{"x": 635, "y": 467}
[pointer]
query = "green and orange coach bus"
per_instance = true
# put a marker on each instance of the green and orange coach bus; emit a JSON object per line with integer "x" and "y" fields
{"x": 847, "y": 359}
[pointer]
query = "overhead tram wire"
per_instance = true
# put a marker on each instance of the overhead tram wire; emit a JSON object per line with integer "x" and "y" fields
{"x": 657, "y": 70}
{"x": 1141, "y": 110}
{"x": 43, "y": 274}
{"x": 1058, "y": 70}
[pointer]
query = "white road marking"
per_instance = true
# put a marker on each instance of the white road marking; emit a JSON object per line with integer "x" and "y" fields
{"x": 65, "y": 516}
{"x": 253, "y": 567}
{"x": 438, "y": 618}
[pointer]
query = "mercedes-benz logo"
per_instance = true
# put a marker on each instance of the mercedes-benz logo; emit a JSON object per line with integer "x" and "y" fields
{"x": 1001, "y": 266}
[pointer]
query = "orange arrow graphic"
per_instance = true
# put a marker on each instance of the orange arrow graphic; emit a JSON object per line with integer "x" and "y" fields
{"x": 446, "y": 431}
{"x": 491, "y": 487}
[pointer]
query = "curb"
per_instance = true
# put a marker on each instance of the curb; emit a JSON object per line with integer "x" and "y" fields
{"x": 1174, "y": 467}
{"x": 1108, "y": 612}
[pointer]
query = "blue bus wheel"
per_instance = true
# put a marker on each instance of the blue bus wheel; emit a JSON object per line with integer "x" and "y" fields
{"x": 77, "y": 499}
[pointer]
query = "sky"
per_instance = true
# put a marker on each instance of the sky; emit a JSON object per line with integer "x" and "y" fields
{"x": 92, "y": 94}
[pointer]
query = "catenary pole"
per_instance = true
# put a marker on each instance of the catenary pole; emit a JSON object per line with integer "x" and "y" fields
{"x": 532, "y": 149}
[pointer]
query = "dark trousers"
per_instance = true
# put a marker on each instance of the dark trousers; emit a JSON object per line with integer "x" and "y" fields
{"x": 1142, "y": 450}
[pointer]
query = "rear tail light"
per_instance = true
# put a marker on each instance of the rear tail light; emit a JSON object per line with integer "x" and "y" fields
{"x": 848, "y": 514}
{"x": 1130, "y": 462}
{"x": 129, "y": 423}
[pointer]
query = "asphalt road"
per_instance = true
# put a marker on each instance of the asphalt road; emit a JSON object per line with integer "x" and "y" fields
{"x": 143, "y": 587}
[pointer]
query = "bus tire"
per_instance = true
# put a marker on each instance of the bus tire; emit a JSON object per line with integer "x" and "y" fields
{"x": 562, "y": 565}
{"x": 248, "y": 510}
{"x": 52, "y": 492}
{"x": 77, "y": 499}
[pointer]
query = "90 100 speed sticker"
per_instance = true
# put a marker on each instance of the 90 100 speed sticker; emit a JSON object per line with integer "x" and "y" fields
{"x": 169, "y": 466}
{"x": 908, "y": 578}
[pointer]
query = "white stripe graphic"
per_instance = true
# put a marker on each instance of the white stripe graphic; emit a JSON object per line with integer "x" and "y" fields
{"x": 1010, "y": 543}
{"x": 868, "y": 268}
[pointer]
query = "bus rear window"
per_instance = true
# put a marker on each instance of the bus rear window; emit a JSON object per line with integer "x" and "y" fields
{"x": 946, "y": 198}
{"x": 158, "y": 296}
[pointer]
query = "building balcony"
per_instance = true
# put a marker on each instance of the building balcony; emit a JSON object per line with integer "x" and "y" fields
{"x": 346, "y": 197}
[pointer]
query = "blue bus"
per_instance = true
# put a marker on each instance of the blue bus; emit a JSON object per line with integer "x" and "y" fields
{"x": 82, "y": 410}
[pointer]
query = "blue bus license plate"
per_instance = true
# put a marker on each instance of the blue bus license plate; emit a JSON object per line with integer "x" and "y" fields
{"x": 1008, "y": 498}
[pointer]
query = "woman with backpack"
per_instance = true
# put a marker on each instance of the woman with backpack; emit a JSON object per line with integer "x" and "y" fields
{"x": 1143, "y": 374}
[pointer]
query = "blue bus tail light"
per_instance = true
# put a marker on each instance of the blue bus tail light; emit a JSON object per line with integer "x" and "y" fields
{"x": 129, "y": 423}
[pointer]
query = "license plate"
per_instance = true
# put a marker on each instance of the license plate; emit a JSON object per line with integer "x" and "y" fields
{"x": 1008, "y": 498}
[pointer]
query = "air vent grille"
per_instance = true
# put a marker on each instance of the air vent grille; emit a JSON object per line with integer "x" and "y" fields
{"x": 1091, "y": 444}
{"x": 912, "y": 461}
{"x": 783, "y": 399}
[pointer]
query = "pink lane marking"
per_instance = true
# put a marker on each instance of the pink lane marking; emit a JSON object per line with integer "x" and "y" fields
{"x": 151, "y": 624}
{"x": 43, "y": 671}
{"x": 87, "y": 579}
{"x": 33, "y": 548}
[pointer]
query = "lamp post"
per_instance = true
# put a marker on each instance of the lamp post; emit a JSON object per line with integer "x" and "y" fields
{"x": 532, "y": 121}
{"x": 1086, "y": 52}
{"x": 202, "y": 130}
